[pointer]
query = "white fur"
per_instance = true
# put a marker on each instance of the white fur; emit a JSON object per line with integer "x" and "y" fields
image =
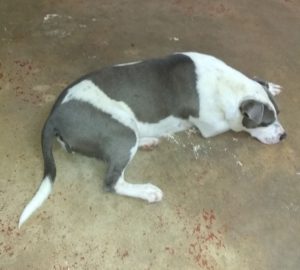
{"x": 164, "y": 127}
{"x": 146, "y": 192}
{"x": 148, "y": 141}
{"x": 213, "y": 85}
{"x": 62, "y": 144}
{"x": 221, "y": 89}
{"x": 40, "y": 196}
{"x": 274, "y": 89}
{"x": 87, "y": 91}
{"x": 134, "y": 150}
{"x": 268, "y": 135}
{"x": 127, "y": 64}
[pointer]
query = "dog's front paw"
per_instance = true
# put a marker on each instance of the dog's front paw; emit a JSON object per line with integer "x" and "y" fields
{"x": 274, "y": 89}
{"x": 152, "y": 193}
{"x": 148, "y": 143}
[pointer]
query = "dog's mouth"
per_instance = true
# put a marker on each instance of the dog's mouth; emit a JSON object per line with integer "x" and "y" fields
{"x": 271, "y": 134}
{"x": 271, "y": 140}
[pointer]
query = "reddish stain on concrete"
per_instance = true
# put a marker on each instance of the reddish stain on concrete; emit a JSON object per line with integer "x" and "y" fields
{"x": 122, "y": 254}
{"x": 23, "y": 71}
{"x": 204, "y": 236}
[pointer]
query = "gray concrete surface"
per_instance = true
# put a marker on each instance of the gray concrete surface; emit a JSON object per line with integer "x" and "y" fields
{"x": 230, "y": 202}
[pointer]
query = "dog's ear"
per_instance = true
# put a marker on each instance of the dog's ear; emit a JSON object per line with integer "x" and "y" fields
{"x": 253, "y": 112}
{"x": 271, "y": 88}
{"x": 274, "y": 89}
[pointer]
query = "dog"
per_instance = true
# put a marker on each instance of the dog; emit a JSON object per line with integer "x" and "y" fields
{"x": 109, "y": 114}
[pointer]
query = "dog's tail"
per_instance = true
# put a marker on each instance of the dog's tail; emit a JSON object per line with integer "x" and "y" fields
{"x": 45, "y": 188}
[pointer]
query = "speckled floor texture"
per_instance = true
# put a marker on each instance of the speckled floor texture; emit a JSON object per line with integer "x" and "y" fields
{"x": 230, "y": 202}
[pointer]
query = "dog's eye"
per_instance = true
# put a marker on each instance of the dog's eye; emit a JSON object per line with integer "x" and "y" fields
{"x": 264, "y": 124}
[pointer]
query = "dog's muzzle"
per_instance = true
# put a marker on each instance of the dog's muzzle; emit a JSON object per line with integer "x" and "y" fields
{"x": 283, "y": 136}
{"x": 271, "y": 134}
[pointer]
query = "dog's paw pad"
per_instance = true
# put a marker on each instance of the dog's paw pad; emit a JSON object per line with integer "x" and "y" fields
{"x": 148, "y": 143}
{"x": 274, "y": 89}
{"x": 148, "y": 147}
{"x": 152, "y": 193}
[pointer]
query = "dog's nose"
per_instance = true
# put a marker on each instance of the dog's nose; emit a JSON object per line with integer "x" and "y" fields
{"x": 282, "y": 136}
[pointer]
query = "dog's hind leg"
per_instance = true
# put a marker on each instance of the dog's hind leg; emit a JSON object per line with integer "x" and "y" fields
{"x": 120, "y": 155}
{"x": 147, "y": 192}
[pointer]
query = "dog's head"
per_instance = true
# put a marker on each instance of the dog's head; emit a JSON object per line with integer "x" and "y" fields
{"x": 259, "y": 118}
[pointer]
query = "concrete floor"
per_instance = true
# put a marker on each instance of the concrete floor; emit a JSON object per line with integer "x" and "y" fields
{"x": 230, "y": 202}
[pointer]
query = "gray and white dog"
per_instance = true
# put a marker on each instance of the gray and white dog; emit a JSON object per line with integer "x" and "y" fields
{"x": 108, "y": 114}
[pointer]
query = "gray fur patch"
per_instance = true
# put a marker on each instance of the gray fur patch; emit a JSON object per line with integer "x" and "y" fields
{"x": 153, "y": 89}
{"x": 256, "y": 114}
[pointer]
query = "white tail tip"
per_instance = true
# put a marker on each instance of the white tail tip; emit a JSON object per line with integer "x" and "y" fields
{"x": 40, "y": 196}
